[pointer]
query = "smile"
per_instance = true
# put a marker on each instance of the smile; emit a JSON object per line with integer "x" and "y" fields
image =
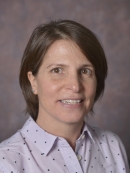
{"x": 71, "y": 101}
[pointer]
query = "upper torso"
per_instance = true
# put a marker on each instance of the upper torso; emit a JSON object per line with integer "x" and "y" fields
{"x": 33, "y": 150}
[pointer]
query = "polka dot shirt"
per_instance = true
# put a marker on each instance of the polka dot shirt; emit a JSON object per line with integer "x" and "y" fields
{"x": 33, "y": 150}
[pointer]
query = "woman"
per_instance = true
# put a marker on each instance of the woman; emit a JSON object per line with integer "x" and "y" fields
{"x": 62, "y": 75}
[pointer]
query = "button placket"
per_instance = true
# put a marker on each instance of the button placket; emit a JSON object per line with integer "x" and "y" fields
{"x": 73, "y": 162}
{"x": 79, "y": 144}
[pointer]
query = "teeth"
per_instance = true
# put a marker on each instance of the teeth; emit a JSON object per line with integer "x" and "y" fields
{"x": 71, "y": 101}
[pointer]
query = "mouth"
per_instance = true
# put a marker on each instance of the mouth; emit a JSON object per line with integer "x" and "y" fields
{"x": 71, "y": 102}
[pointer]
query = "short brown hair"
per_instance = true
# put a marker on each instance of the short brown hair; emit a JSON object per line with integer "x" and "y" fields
{"x": 42, "y": 38}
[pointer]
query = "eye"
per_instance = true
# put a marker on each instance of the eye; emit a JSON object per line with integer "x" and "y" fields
{"x": 56, "y": 70}
{"x": 86, "y": 71}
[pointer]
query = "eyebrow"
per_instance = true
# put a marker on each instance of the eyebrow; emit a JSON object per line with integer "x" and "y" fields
{"x": 64, "y": 65}
{"x": 88, "y": 65}
{"x": 61, "y": 65}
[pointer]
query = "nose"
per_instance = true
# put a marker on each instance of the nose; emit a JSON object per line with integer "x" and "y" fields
{"x": 74, "y": 83}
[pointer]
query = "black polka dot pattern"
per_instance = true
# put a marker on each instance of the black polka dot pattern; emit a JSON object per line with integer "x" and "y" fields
{"x": 38, "y": 150}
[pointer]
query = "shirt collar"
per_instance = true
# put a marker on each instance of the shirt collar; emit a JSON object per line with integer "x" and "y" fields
{"x": 88, "y": 130}
{"x": 43, "y": 140}
{"x": 39, "y": 137}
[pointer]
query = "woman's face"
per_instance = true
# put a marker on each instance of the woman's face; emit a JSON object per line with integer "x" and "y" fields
{"x": 65, "y": 84}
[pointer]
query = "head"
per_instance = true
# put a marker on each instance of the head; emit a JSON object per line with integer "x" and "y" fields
{"x": 41, "y": 40}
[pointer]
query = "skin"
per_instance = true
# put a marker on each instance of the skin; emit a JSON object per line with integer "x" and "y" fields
{"x": 65, "y": 74}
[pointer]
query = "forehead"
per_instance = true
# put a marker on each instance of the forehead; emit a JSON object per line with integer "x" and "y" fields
{"x": 65, "y": 51}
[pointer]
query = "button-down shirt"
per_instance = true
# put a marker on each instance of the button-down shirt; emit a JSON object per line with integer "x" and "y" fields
{"x": 33, "y": 150}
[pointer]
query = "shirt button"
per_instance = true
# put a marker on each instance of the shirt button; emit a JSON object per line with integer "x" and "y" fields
{"x": 79, "y": 157}
{"x": 83, "y": 136}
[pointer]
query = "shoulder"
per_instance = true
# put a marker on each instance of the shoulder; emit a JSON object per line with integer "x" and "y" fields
{"x": 11, "y": 142}
{"x": 106, "y": 137}
{"x": 110, "y": 144}
{"x": 10, "y": 151}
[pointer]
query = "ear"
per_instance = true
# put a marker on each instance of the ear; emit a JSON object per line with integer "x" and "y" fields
{"x": 33, "y": 82}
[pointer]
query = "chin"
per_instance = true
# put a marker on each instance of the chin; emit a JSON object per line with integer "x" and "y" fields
{"x": 73, "y": 120}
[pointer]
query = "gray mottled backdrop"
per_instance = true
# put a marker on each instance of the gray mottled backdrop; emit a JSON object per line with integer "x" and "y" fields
{"x": 109, "y": 19}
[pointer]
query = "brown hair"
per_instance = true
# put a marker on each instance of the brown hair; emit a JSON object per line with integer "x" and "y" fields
{"x": 42, "y": 38}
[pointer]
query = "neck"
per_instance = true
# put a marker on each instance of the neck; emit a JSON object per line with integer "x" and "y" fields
{"x": 68, "y": 131}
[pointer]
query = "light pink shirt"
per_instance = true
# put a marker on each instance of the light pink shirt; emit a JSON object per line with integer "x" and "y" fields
{"x": 33, "y": 150}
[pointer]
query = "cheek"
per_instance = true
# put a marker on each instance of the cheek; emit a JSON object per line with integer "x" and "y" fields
{"x": 48, "y": 88}
{"x": 90, "y": 87}
{"x": 94, "y": 87}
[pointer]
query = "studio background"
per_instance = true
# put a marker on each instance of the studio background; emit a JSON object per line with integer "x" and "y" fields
{"x": 109, "y": 19}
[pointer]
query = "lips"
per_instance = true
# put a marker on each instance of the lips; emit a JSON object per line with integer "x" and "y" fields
{"x": 71, "y": 102}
